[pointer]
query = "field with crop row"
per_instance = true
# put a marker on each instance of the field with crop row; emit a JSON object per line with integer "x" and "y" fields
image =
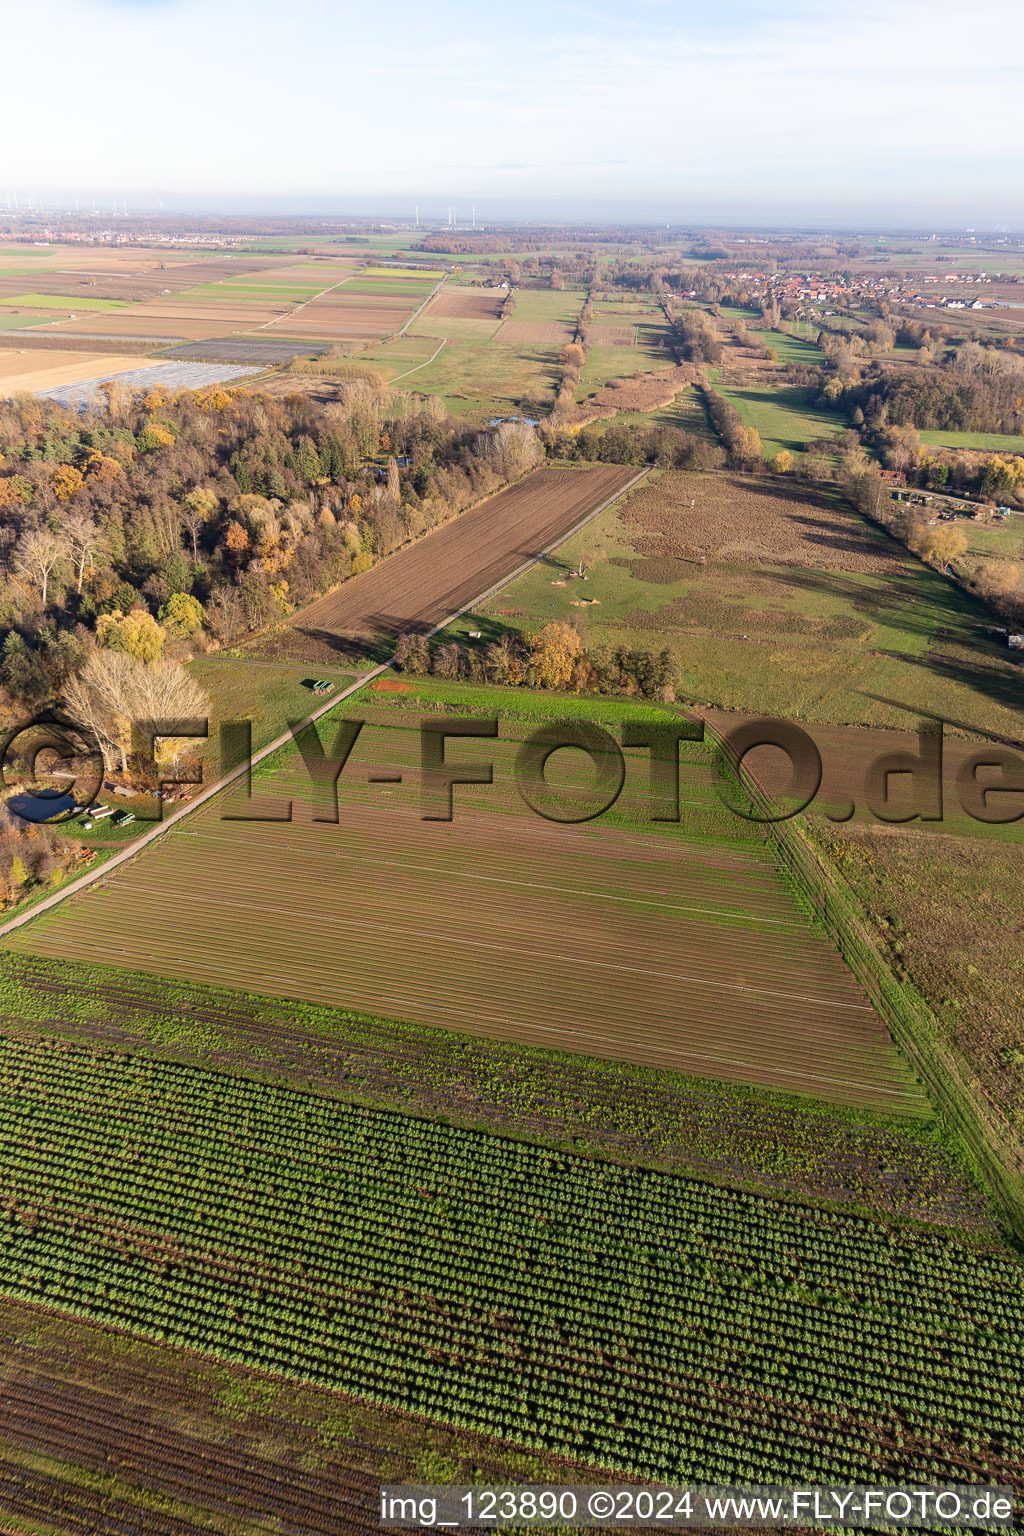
{"x": 198, "y": 299}
{"x": 82, "y": 1408}
{"x": 629, "y": 1318}
{"x": 674, "y": 947}
{"x": 766, "y": 1141}
{"x": 466, "y": 304}
{"x": 96, "y": 1434}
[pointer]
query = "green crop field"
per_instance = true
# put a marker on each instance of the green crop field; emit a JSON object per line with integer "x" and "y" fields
{"x": 765, "y": 1141}
{"x": 241, "y": 289}
{"x": 393, "y": 289}
{"x": 53, "y": 301}
{"x": 358, "y": 1249}
{"x": 419, "y": 274}
{"x": 18, "y": 322}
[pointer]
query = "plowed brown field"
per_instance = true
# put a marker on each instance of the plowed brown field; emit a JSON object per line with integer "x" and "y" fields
{"x": 460, "y": 304}
{"x": 196, "y": 1449}
{"x": 513, "y": 333}
{"x": 424, "y": 583}
{"x": 613, "y": 335}
{"x": 337, "y": 322}
{"x": 97, "y": 1433}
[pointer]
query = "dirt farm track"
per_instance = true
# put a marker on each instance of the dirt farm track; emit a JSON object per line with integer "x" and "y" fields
{"x": 424, "y": 583}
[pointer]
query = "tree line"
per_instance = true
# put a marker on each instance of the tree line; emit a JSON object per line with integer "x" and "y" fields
{"x": 556, "y": 656}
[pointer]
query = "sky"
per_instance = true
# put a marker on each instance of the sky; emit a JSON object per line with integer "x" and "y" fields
{"x": 901, "y": 112}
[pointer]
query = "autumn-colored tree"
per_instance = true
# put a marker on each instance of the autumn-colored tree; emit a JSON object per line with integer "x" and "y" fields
{"x": 554, "y": 652}
{"x": 999, "y": 580}
{"x": 212, "y": 399}
{"x": 943, "y": 544}
{"x": 136, "y": 633}
{"x": 66, "y": 482}
{"x": 113, "y": 690}
{"x": 236, "y": 541}
{"x": 182, "y": 614}
{"x": 752, "y": 449}
{"x": 572, "y": 355}
{"x": 782, "y": 462}
{"x": 15, "y": 493}
{"x": 154, "y": 435}
{"x": 412, "y": 654}
{"x": 102, "y": 470}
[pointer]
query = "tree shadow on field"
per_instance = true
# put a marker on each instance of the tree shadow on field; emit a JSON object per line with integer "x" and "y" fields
{"x": 968, "y": 727}
{"x": 349, "y": 647}
{"x": 786, "y": 490}
{"x": 899, "y": 604}
{"x": 1000, "y": 687}
{"x": 842, "y": 540}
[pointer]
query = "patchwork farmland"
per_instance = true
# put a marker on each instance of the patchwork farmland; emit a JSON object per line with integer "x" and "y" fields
{"x": 342, "y": 1142}
{"x": 31, "y": 371}
{"x": 133, "y": 297}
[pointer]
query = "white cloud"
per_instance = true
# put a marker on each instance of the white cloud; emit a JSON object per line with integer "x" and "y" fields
{"x": 738, "y": 104}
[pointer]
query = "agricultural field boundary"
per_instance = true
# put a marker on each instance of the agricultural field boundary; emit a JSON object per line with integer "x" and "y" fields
{"x": 84, "y": 881}
{"x": 905, "y": 1012}
{"x": 426, "y": 364}
{"x": 430, "y": 296}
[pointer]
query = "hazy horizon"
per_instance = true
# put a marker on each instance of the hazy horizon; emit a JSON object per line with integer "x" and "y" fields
{"x": 498, "y": 214}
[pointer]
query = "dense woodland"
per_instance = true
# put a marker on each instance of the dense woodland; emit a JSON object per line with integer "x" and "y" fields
{"x": 162, "y": 523}
{"x": 980, "y": 391}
